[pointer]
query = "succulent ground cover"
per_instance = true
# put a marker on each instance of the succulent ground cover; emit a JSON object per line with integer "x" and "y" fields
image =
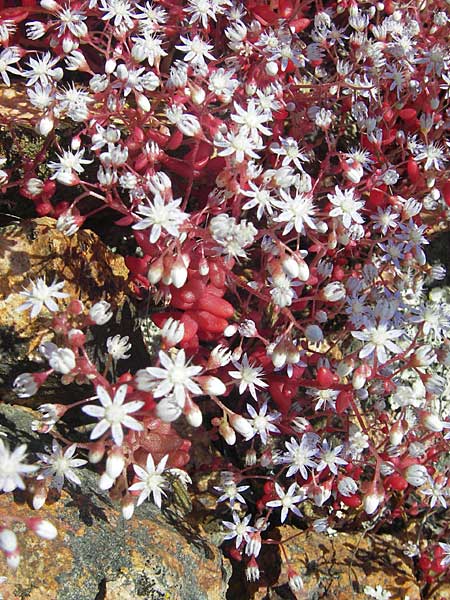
{"x": 272, "y": 173}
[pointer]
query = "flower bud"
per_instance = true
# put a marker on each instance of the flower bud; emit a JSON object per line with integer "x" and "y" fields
{"x": 69, "y": 223}
{"x": 193, "y": 414}
{"x": 227, "y": 432}
{"x": 26, "y": 385}
{"x": 213, "y": 386}
{"x": 110, "y": 66}
{"x": 143, "y": 102}
{"x": 252, "y": 570}
{"x": 45, "y": 125}
{"x": 396, "y": 433}
{"x": 96, "y": 452}
{"x": 290, "y": 267}
{"x": 50, "y": 5}
{"x": 334, "y": 292}
{"x": 250, "y": 457}
{"x": 198, "y": 94}
{"x": 247, "y": 328}
{"x": 344, "y": 368}
{"x": 122, "y": 72}
{"x": 172, "y": 332}
{"x": 253, "y": 545}
{"x": 372, "y": 501}
{"x": 105, "y": 482}
{"x": 76, "y": 61}
{"x": 423, "y": 356}
{"x": 168, "y": 410}
{"x": 219, "y": 357}
{"x": 250, "y": 88}
{"x": 203, "y": 267}
{"x": 76, "y": 337}
{"x": 431, "y": 421}
{"x": 271, "y": 68}
{"x": 69, "y": 45}
{"x": 42, "y": 528}
{"x": 353, "y": 170}
{"x": 156, "y": 271}
{"x": 279, "y": 356}
{"x": 62, "y": 360}
{"x": 8, "y": 540}
{"x": 33, "y": 187}
{"x": 115, "y": 463}
{"x": 39, "y": 493}
{"x": 347, "y": 486}
{"x": 295, "y": 581}
{"x": 178, "y": 273}
{"x": 242, "y": 426}
{"x": 303, "y": 270}
{"x": 230, "y": 330}
{"x": 360, "y": 376}
{"x": 128, "y": 507}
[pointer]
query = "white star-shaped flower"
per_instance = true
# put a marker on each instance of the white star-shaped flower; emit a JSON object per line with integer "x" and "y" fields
{"x": 248, "y": 376}
{"x": 151, "y": 480}
{"x": 41, "y": 295}
{"x": 174, "y": 377}
{"x": 114, "y": 414}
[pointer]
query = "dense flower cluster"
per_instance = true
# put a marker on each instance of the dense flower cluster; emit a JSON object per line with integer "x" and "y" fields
{"x": 281, "y": 166}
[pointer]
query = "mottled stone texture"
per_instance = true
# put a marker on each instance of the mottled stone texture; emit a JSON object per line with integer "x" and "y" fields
{"x": 339, "y": 567}
{"x": 99, "y": 556}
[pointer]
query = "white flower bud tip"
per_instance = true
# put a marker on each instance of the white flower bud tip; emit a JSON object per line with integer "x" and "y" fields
{"x": 155, "y": 272}
{"x": 8, "y": 540}
{"x": 44, "y": 126}
{"x": 42, "y": 528}
{"x": 115, "y": 463}
{"x": 431, "y": 421}
{"x": 143, "y": 102}
{"x": 227, "y": 432}
{"x": 242, "y": 426}
{"x": 371, "y": 503}
{"x": 105, "y": 482}
{"x": 230, "y": 330}
{"x": 194, "y": 415}
{"x": 213, "y": 386}
{"x": 96, "y": 453}
{"x": 128, "y": 509}
{"x": 50, "y": 5}
{"x": 290, "y": 267}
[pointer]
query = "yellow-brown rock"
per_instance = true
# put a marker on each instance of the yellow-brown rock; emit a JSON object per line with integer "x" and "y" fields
{"x": 339, "y": 567}
{"x": 16, "y": 105}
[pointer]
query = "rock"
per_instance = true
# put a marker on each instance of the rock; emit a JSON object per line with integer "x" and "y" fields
{"x": 154, "y": 556}
{"x": 339, "y": 567}
{"x": 16, "y": 105}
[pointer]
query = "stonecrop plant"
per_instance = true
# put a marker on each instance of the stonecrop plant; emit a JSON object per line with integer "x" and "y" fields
{"x": 281, "y": 166}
